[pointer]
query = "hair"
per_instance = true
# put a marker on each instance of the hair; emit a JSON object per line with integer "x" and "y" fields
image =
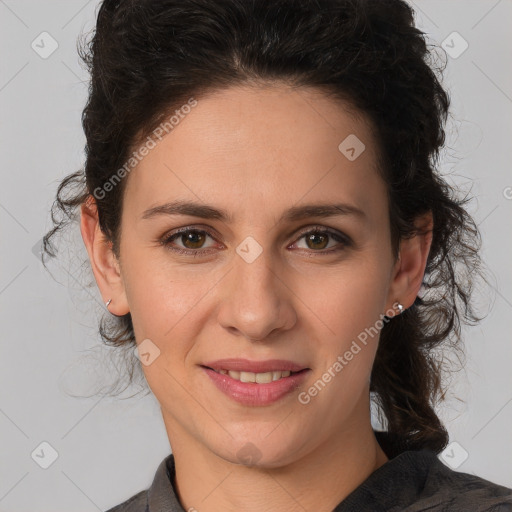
{"x": 147, "y": 58}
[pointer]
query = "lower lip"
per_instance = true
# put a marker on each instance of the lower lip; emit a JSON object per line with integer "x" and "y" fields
{"x": 251, "y": 393}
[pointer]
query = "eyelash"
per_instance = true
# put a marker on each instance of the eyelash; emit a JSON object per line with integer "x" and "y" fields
{"x": 317, "y": 230}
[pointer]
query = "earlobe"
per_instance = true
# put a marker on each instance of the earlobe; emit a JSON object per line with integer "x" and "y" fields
{"x": 104, "y": 264}
{"x": 410, "y": 266}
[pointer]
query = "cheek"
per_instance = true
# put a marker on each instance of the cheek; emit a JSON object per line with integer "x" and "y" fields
{"x": 347, "y": 312}
{"x": 160, "y": 295}
{"x": 349, "y": 323}
{"x": 348, "y": 300}
{"x": 170, "y": 307}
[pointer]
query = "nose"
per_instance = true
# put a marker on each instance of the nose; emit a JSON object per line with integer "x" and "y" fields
{"x": 256, "y": 301}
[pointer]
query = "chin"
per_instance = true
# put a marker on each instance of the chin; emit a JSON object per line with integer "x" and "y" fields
{"x": 261, "y": 454}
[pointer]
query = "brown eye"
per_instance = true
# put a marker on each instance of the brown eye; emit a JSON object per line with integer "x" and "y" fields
{"x": 317, "y": 240}
{"x": 187, "y": 241}
{"x": 193, "y": 239}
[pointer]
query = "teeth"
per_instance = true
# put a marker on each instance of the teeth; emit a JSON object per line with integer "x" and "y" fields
{"x": 260, "y": 378}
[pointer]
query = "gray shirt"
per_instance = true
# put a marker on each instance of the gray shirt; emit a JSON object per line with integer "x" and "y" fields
{"x": 412, "y": 481}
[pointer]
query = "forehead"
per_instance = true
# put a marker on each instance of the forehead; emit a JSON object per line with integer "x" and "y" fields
{"x": 262, "y": 143}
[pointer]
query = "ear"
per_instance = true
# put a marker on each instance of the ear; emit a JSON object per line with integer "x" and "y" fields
{"x": 105, "y": 265}
{"x": 410, "y": 266}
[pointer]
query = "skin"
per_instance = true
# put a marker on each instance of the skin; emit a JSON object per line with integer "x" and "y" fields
{"x": 255, "y": 152}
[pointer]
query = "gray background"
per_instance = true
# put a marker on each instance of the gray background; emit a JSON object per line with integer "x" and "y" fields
{"x": 109, "y": 449}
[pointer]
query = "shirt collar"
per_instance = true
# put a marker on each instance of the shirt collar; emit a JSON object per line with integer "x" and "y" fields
{"x": 407, "y": 468}
{"x": 161, "y": 495}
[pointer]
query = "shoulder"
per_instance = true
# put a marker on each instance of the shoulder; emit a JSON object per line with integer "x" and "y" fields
{"x": 448, "y": 490}
{"x": 137, "y": 503}
{"x": 417, "y": 481}
{"x": 160, "y": 492}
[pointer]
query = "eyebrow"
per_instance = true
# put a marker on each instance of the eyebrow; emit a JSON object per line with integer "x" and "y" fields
{"x": 293, "y": 214}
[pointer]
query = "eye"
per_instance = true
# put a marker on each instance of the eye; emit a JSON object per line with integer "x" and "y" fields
{"x": 317, "y": 239}
{"x": 192, "y": 240}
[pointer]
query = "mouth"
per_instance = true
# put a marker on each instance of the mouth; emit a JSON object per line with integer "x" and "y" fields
{"x": 258, "y": 378}
{"x": 256, "y": 389}
{"x": 256, "y": 383}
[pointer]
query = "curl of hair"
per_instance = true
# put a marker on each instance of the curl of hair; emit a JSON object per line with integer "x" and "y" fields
{"x": 148, "y": 57}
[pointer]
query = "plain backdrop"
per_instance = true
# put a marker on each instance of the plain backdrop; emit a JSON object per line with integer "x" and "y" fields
{"x": 106, "y": 450}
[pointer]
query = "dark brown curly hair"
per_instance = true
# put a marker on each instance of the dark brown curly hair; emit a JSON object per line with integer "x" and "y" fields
{"x": 146, "y": 58}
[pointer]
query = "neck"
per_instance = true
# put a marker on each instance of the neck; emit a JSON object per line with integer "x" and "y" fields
{"x": 318, "y": 481}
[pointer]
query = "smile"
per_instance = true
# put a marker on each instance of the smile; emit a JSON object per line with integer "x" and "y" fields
{"x": 259, "y": 378}
{"x": 256, "y": 388}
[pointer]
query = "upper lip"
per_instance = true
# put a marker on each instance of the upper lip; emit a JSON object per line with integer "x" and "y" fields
{"x": 245, "y": 365}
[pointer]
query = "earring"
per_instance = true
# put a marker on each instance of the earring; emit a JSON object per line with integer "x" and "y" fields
{"x": 400, "y": 308}
{"x": 108, "y": 302}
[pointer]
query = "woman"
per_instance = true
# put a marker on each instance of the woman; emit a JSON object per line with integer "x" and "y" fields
{"x": 260, "y": 207}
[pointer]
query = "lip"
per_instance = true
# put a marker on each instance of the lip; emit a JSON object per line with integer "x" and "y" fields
{"x": 253, "y": 394}
{"x": 245, "y": 365}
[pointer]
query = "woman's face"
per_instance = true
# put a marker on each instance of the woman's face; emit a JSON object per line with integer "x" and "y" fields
{"x": 254, "y": 285}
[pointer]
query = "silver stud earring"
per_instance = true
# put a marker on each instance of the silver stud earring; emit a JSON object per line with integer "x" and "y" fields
{"x": 108, "y": 302}
{"x": 400, "y": 308}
